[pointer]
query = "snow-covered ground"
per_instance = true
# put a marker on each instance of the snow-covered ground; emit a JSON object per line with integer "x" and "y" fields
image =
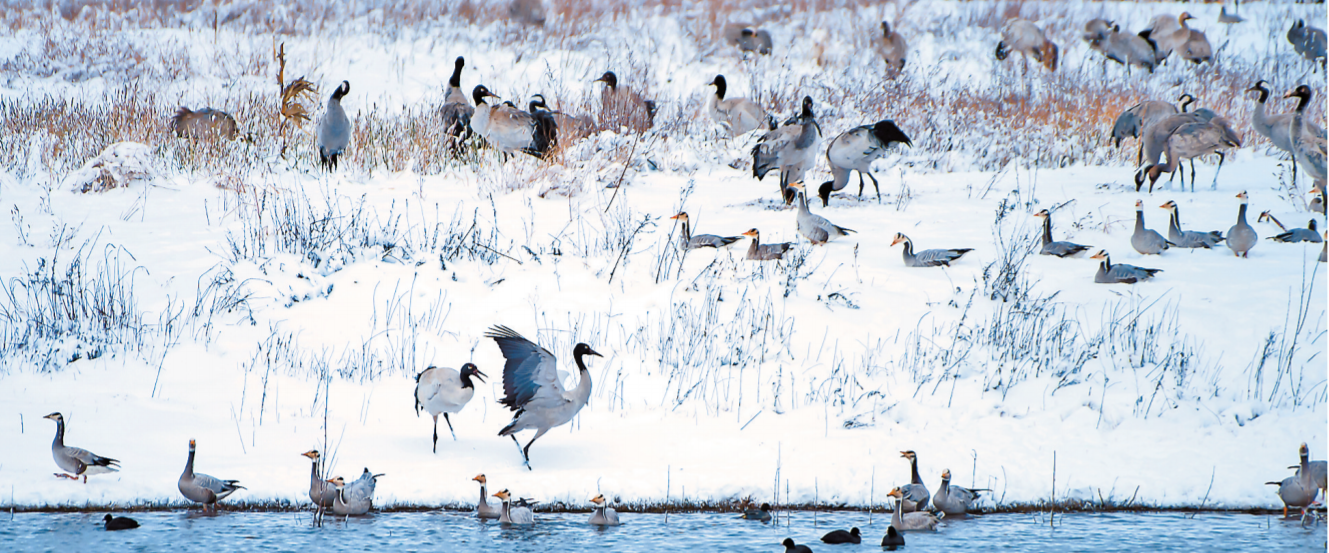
{"x": 237, "y": 295}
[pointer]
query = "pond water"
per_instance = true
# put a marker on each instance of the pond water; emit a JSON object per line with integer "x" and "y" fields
{"x": 699, "y": 532}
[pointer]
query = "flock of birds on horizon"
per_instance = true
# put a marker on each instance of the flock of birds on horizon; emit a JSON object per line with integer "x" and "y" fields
{"x": 792, "y": 147}
{"x": 532, "y": 386}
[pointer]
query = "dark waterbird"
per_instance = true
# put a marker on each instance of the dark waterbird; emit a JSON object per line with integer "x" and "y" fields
{"x": 841, "y": 536}
{"x": 120, "y": 523}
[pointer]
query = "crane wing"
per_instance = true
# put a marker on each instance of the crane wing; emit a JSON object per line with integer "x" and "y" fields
{"x": 530, "y": 369}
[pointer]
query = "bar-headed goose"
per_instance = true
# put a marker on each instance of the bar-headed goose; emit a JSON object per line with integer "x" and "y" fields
{"x": 916, "y": 493}
{"x": 334, "y": 129}
{"x": 855, "y": 150}
{"x": 515, "y": 512}
{"x": 737, "y": 115}
{"x": 1241, "y": 237}
{"x": 1147, "y": 241}
{"x": 75, "y": 461}
{"x": 790, "y": 149}
{"x": 815, "y": 228}
{"x": 356, "y": 498}
{"x": 483, "y": 508}
{"x": 201, "y": 488}
{"x": 692, "y": 242}
{"x": 1293, "y": 235}
{"x": 765, "y": 252}
{"x": 1050, "y": 247}
{"x": 320, "y": 492}
{"x": 1188, "y": 238}
{"x": 1120, "y": 273}
{"x": 928, "y": 258}
{"x": 918, "y": 521}
{"x": 953, "y": 500}
{"x": 603, "y": 514}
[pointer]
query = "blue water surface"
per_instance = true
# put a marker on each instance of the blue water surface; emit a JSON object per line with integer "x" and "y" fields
{"x": 695, "y": 532}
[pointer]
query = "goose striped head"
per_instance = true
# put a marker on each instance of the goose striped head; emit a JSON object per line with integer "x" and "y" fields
{"x": 598, "y": 500}
{"x": 908, "y": 454}
{"x": 946, "y": 474}
{"x": 752, "y": 233}
{"x": 481, "y": 479}
{"x": 1042, "y": 214}
{"x": 503, "y": 494}
{"x": 1139, "y": 205}
{"x": 338, "y": 481}
{"x": 682, "y": 216}
{"x": 1102, "y": 254}
{"x": 312, "y": 454}
{"x": 1170, "y": 205}
{"x": 56, "y": 416}
{"x": 899, "y": 237}
{"x": 1242, "y": 196}
{"x": 896, "y": 492}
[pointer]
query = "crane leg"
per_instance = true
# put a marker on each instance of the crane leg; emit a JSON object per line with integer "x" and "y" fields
{"x": 1193, "y": 174}
{"x": 874, "y": 185}
{"x": 861, "y": 184}
{"x": 1220, "y": 168}
{"x": 435, "y": 433}
{"x": 449, "y": 421}
{"x": 526, "y": 452}
{"x": 524, "y": 457}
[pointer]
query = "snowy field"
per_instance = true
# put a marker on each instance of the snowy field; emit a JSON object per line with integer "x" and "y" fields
{"x": 237, "y": 294}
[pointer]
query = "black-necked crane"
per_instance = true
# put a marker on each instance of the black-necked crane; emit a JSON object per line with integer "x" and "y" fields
{"x": 334, "y": 129}
{"x": 443, "y": 390}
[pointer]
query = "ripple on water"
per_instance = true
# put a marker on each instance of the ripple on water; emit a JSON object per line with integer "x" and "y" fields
{"x": 444, "y": 531}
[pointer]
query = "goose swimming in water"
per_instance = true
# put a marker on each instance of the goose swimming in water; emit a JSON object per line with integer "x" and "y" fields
{"x": 603, "y": 514}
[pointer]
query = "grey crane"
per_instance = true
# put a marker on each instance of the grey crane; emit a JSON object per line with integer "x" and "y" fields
{"x": 1165, "y": 33}
{"x": 954, "y": 500}
{"x": 916, "y": 493}
{"x": 1294, "y": 235}
{"x": 201, "y": 488}
{"x": 1188, "y": 238}
{"x": 1196, "y": 48}
{"x": 815, "y": 228}
{"x": 1124, "y": 48}
{"x": 1192, "y": 140}
{"x": 620, "y": 106}
{"x": 1277, "y": 128}
{"x": 334, "y": 129}
{"x": 1306, "y": 139}
{"x": 928, "y": 258}
{"x": 320, "y": 492}
{"x": 791, "y": 547}
{"x": 692, "y": 242}
{"x": 748, "y": 38}
{"x": 791, "y": 149}
{"x": 737, "y": 115}
{"x": 483, "y": 509}
{"x": 356, "y": 498}
{"x": 1308, "y": 41}
{"x": 1147, "y": 241}
{"x": 1120, "y": 273}
{"x": 1229, "y": 18}
{"x": 1241, "y": 237}
{"x": 532, "y": 387}
{"x": 603, "y": 515}
{"x": 520, "y": 513}
{"x": 892, "y": 47}
{"x": 765, "y": 252}
{"x": 1133, "y": 122}
{"x": 917, "y": 521}
{"x": 443, "y": 390}
{"x": 204, "y": 123}
{"x": 841, "y": 536}
{"x": 855, "y": 150}
{"x": 1023, "y": 36}
{"x": 75, "y": 461}
{"x": 457, "y": 110}
{"x": 1050, "y": 247}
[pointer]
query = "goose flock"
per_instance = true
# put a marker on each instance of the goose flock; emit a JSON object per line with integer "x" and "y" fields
{"x": 533, "y": 390}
